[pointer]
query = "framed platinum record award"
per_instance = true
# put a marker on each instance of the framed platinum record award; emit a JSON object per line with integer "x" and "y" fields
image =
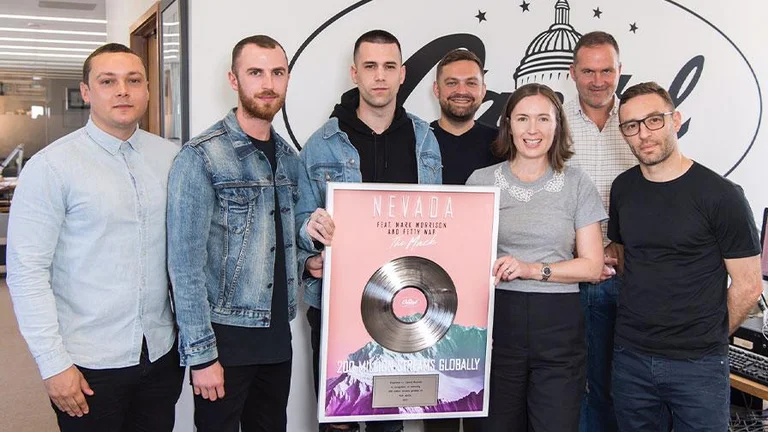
{"x": 407, "y": 302}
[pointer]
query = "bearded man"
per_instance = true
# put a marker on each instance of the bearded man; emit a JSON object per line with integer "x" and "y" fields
{"x": 232, "y": 253}
{"x": 465, "y": 145}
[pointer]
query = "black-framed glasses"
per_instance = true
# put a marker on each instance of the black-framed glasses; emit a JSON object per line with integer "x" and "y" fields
{"x": 652, "y": 122}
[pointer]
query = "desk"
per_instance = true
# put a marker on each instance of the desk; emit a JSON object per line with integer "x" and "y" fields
{"x": 749, "y": 387}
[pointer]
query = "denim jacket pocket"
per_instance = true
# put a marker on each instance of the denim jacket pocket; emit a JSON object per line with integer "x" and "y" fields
{"x": 431, "y": 165}
{"x": 323, "y": 173}
{"x": 237, "y": 204}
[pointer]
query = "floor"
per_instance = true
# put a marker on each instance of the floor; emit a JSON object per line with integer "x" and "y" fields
{"x": 24, "y": 406}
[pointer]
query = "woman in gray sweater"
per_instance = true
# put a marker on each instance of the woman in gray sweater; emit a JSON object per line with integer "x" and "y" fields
{"x": 549, "y": 240}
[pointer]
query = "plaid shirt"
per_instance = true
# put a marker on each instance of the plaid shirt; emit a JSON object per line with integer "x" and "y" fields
{"x": 601, "y": 154}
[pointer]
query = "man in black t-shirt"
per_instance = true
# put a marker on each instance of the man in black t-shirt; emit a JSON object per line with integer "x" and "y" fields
{"x": 465, "y": 145}
{"x": 232, "y": 251}
{"x": 684, "y": 230}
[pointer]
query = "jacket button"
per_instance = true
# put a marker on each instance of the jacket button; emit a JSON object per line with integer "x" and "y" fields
{"x": 327, "y": 176}
{"x": 269, "y": 285}
{"x": 272, "y": 249}
{"x": 352, "y": 161}
{"x": 271, "y": 212}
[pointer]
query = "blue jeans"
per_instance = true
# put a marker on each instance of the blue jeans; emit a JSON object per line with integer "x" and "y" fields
{"x": 646, "y": 387}
{"x": 599, "y": 304}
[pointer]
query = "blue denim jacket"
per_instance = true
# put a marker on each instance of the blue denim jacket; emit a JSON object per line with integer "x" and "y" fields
{"x": 221, "y": 234}
{"x": 329, "y": 156}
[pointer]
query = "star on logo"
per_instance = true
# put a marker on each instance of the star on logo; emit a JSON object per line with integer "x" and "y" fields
{"x": 597, "y": 12}
{"x": 480, "y": 16}
{"x": 524, "y": 6}
{"x": 633, "y": 27}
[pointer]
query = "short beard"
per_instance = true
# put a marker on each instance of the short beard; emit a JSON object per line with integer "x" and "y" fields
{"x": 458, "y": 116}
{"x": 667, "y": 150}
{"x": 264, "y": 112}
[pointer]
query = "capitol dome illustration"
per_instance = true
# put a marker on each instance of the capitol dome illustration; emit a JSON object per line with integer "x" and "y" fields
{"x": 549, "y": 56}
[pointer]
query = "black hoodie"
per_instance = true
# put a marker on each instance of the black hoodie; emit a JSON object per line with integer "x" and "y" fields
{"x": 386, "y": 158}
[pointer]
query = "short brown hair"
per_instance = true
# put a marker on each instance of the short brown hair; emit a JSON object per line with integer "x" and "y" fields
{"x": 377, "y": 37}
{"x": 262, "y": 41}
{"x": 459, "y": 54}
{"x": 560, "y": 151}
{"x": 593, "y": 39}
{"x": 645, "y": 88}
{"x": 104, "y": 49}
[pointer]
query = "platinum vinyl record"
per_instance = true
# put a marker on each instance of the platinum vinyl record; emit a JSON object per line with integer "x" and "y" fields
{"x": 400, "y": 273}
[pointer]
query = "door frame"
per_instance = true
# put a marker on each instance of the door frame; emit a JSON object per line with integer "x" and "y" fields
{"x": 145, "y": 42}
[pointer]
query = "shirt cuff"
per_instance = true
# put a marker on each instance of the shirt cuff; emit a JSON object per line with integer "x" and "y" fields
{"x": 53, "y": 362}
{"x": 204, "y": 365}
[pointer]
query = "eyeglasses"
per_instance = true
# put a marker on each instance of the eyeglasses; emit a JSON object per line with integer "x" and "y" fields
{"x": 652, "y": 122}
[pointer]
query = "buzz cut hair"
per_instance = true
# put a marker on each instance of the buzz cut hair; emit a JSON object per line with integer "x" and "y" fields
{"x": 459, "y": 54}
{"x": 378, "y": 37}
{"x": 105, "y": 49}
{"x": 262, "y": 41}
{"x": 593, "y": 39}
{"x": 646, "y": 88}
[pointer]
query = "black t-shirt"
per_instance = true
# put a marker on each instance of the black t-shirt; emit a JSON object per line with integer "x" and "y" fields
{"x": 242, "y": 346}
{"x": 463, "y": 154}
{"x": 675, "y": 235}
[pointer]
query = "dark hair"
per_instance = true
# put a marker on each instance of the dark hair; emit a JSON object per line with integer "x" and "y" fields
{"x": 593, "y": 39}
{"x": 459, "y": 54}
{"x": 560, "y": 151}
{"x": 645, "y": 88}
{"x": 377, "y": 37}
{"x": 104, "y": 49}
{"x": 263, "y": 41}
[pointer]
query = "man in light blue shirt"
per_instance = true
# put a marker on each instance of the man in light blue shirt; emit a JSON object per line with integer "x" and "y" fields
{"x": 87, "y": 260}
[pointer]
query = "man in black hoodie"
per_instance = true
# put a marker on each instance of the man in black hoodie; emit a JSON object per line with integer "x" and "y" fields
{"x": 369, "y": 138}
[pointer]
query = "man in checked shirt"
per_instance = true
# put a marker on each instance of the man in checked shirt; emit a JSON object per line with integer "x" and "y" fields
{"x": 601, "y": 152}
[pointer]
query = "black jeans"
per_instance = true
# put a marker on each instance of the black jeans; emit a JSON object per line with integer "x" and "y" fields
{"x": 315, "y": 325}
{"x": 538, "y": 363}
{"x": 139, "y": 398}
{"x": 255, "y": 397}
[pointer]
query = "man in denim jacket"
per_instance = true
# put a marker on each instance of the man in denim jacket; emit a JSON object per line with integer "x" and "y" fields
{"x": 232, "y": 254}
{"x": 369, "y": 138}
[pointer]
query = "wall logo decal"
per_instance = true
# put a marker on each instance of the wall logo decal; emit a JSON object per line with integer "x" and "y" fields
{"x": 709, "y": 78}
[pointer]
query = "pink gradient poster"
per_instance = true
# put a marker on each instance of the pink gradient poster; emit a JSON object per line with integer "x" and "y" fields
{"x": 451, "y": 230}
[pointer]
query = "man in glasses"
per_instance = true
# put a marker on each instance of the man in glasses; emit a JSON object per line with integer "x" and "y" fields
{"x": 600, "y": 151}
{"x": 685, "y": 230}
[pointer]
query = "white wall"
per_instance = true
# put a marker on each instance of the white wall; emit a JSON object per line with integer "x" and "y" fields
{"x": 121, "y": 14}
{"x": 723, "y": 107}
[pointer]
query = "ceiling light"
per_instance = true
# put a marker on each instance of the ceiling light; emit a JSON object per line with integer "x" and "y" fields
{"x": 72, "y": 32}
{"x": 50, "y": 18}
{"x": 87, "y": 50}
{"x": 67, "y": 5}
{"x": 13, "y": 54}
{"x": 53, "y": 41}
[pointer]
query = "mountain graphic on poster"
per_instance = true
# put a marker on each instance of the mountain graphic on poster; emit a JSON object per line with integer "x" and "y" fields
{"x": 351, "y": 393}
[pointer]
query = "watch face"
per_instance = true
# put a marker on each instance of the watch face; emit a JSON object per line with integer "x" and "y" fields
{"x": 546, "y": 272}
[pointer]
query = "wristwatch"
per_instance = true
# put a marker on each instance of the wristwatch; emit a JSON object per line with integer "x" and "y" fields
{"x": 546, "y": 272}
